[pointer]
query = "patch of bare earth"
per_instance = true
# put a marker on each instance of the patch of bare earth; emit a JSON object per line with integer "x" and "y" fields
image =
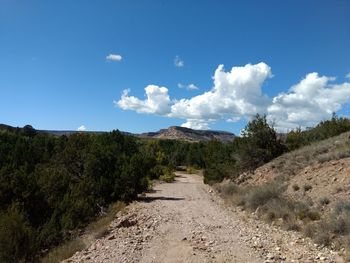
{"x": 187, "y": 222}
{"x": 329, "y": 180}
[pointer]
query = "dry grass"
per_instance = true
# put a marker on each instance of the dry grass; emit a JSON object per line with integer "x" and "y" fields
{"x": 262, "y": 195}
{"x": 334, "y": 229}
{"x": 64, "y": 251}
{"x": 192, "y": 170}
{"x": 93, "y": 231}
{"x": 326, "y": 222}
{"x": 99, "y": 228}
{"x": 292, "y": 163}
{"x": 268, "y": 202}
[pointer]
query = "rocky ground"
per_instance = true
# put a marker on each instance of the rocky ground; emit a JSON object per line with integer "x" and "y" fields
{"x": 186, "y": 221}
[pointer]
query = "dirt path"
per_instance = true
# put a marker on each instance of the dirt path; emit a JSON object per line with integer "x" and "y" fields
{"x": 186, "y": 222}
{"x": 197, "y": 230}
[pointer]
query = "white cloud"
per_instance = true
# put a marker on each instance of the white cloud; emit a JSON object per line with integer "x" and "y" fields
{"x": 234, "y": 119}
{"x": 81, "y": 128}
{"x": 237, "y": 94}
{"x": 196, "y": 124}
{"x": 114, "y": 57}
{"x": 178, "y": 62}
{"x": 157, "y": 101}
{"x": 190, "y": 86}
{"x": 348, "y": 75}
{"x": 305, "y": 104}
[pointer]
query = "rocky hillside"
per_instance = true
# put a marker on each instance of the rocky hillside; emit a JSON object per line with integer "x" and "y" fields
{"x": 308, "y": 163}
{"x": 306, "y": 190}
{"x": 181, "y": 133}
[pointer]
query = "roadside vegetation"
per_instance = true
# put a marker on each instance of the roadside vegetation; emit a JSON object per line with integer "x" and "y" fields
{"x": 260, "y": 144}
{"x": 52, "y": 187}
{"x": 325, "y": 220}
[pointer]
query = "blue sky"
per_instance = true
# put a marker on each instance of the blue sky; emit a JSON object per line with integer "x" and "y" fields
{"x": 54, "y": 73}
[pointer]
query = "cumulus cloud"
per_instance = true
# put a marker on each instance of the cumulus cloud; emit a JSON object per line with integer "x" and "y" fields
{"x": 178, "y": 62}
{"x": 114, "y": 57}
{"x": 237, "y": 94}
{"x": 157, "y": 101}
{"x": 196, "y": 124}
{"x": 190, "y": 86}
{"x": 305, "y": 104}
{"x": 81, "y": 128}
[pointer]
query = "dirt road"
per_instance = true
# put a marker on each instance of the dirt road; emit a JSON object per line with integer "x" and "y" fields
{"x": 186, "y": 222}
{"x": 197, "y": 229}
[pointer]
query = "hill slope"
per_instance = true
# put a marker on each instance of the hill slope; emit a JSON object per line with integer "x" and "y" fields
{"x": 181, "y": 133}
{"x": 305, "y": 190}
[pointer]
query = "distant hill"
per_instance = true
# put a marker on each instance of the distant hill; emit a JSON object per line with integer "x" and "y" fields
{"x": 7, "y": 127}
{"x": 53, "y": 132}
{"x": 172, "y": 133}
{"x": 181, "y": 133}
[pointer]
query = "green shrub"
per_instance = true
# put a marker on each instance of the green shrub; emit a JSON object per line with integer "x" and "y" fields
{"x": 322, "y": 238}
{"x": 213, "y": 174}
{"x": 228, "y": 189}
{"x": 292, "y": 225}
{"x": 313, "y": 215}
{"x": 342, "y": 207}
{"x": 304, "y": 212}
{"x": 62, "y": 183}
{"x": 323, "y": 130}
{"x": 277, "y": 208}
{"x": 17, "y": 238}
{"x": 339, "y": 221}
{"x": 168, "y": 177}
{"x": 261, "y": 195}
{"x": 191, "y": 170}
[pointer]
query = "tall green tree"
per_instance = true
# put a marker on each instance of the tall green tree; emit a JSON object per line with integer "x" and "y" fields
{"x": 260, "y": 143}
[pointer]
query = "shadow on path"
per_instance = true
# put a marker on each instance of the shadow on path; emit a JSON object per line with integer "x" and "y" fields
{"x": 179, "y": 176}
{"x": 149, "y": 199}
{"x": 150, "y": 191}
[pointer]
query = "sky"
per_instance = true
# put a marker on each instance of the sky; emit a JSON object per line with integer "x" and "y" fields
{"x": 145, "y": 65}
